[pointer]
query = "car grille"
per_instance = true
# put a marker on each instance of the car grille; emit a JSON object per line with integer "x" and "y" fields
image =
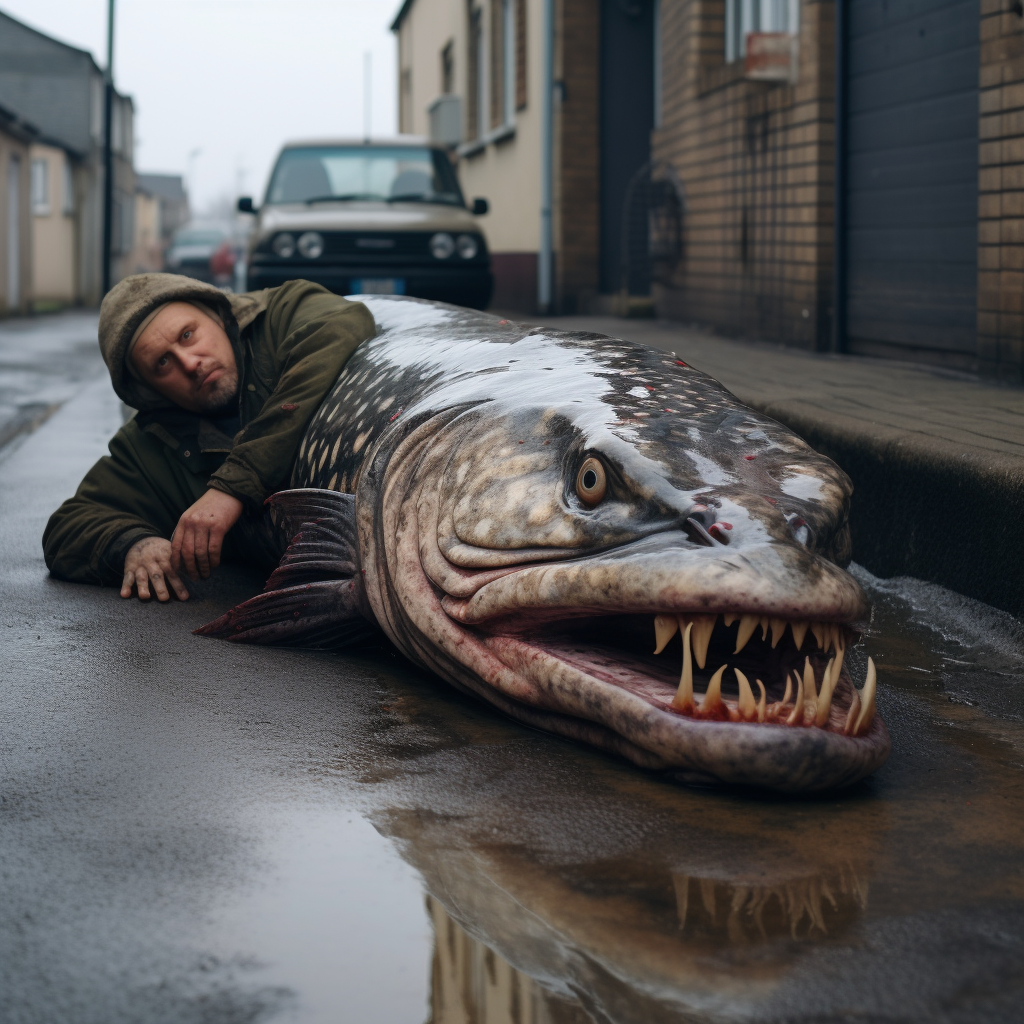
{"x": 372, "y": 248}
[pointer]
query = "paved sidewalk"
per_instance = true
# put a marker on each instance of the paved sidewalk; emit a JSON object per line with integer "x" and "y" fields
{"x": 937, "y": 459}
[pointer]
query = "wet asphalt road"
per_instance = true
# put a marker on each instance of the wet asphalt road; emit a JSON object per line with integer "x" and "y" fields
{"x": 196, "y": 832}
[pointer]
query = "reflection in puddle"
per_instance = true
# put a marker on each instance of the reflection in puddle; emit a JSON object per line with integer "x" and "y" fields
{"x": 471, "y": 984}
{"x": 809, "y": 907}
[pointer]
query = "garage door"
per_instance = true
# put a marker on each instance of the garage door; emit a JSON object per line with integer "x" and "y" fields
{"x": 911, "y": 176}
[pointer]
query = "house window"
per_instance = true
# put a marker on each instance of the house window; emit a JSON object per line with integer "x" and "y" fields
{"x": 69, "y": 187}
{"x": 41, "y": 188}
{"x": 503, "y": 62}
{"x": 476, "y": 110}
{"x": 508, "y": 62}
{"x": 744, "y": 16}
{"x": 405, "y": 101}
{"x": 448, "y": 68}
{"x": 520, "y": 54}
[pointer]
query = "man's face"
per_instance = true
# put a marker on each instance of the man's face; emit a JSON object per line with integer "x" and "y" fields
{"x": 186, "y": 356}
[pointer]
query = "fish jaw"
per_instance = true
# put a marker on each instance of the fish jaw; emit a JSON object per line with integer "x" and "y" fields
{"x": 508, "y": 633}
{"x": 556, "y": 626}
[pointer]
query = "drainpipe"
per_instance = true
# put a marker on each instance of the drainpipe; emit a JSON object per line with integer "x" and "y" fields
{"x": 545, "y": 258}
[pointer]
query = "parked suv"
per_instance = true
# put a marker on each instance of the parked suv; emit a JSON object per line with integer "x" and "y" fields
{"x": 370, "y": 217}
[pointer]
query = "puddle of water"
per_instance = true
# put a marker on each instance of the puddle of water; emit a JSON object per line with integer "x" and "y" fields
{"x": 566, "y": 882}
{"x": 338, "y": 923}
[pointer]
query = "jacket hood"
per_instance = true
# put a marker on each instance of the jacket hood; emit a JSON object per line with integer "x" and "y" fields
{"x": 132, "y": 299}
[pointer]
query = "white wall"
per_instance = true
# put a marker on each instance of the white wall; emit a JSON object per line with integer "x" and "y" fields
{"x": 506, "y": 173}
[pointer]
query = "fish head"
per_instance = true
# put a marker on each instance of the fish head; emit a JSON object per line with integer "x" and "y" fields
{"x": 631, "y": 557}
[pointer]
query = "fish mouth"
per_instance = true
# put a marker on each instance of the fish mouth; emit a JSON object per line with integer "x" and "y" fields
{"x": 711, "y": 665}
{"x": 723, "y": 667}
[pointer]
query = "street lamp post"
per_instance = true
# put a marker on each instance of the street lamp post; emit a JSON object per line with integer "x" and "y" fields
{"x": 108, "y": 153}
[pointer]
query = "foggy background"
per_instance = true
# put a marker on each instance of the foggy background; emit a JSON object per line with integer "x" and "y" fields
{"x": 233, "y": 79}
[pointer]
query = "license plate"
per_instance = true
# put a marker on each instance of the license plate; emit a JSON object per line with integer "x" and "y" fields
{"x": 378, "y": 286}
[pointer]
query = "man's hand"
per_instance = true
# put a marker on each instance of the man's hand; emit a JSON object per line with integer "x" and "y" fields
{"x": 148, "y": 564}
{"x": 199, "y": 535}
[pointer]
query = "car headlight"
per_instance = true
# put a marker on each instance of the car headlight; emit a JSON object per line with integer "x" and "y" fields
{"x": 467, "y": 246}
{"x": 311, "y": 244}
{"x": 442, "y": 245}
{"x": 284, "y": 245}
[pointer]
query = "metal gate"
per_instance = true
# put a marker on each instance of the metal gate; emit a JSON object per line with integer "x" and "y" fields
{"x": 909, "y": 179}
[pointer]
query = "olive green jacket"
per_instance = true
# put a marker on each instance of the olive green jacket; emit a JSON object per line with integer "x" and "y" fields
{"x": 163, "y": 460}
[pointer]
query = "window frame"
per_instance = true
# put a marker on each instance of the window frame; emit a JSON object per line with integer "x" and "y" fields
{"x": 39, "y": 191}
{"x": 745, "y": 16}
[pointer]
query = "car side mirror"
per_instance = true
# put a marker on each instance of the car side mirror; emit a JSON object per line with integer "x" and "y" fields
{"x": 245, "y": 205}
{"x": 480, "y": 207}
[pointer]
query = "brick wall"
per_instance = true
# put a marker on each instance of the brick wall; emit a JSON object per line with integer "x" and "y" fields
{"x": 577, "y": 185}
{"x": 1001, "y": 192}
{"x": 756, "y": 161}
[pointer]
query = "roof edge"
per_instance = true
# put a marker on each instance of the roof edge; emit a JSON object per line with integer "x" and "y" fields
{"x": 400, "y": 16}
{"x": 53, "y": 39}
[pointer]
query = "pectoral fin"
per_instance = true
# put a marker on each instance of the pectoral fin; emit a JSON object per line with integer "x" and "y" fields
{"x": 314, "y": 598}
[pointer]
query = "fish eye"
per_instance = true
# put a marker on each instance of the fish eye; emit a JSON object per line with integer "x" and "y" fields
{"x": 591, "y": 481}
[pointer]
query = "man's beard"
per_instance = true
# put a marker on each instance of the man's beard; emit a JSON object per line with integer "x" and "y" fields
{"x": 221, "y": 397}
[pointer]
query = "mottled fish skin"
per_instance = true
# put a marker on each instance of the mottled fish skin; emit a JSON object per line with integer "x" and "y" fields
{"x": 460, "y": 436}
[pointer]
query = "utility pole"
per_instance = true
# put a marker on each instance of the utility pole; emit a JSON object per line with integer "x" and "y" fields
{"x": 108, "y": 153}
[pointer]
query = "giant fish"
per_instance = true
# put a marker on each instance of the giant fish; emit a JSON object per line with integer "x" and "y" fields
{"x": 592, "y": 536}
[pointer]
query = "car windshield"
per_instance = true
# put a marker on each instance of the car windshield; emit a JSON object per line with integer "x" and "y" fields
{"x": 198, "y": 236}
{"x": 313, "y": 174}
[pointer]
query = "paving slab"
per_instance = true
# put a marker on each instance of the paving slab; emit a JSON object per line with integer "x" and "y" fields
{"x": 936, "y": 458}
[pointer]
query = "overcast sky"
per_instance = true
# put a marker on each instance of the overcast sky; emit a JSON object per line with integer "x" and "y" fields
{"x": 233, "y": 78}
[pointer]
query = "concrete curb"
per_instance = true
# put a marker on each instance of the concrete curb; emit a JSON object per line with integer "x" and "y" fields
{"x": 921, "y": 508}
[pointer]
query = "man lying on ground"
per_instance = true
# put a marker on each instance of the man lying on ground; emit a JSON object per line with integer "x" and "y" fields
{"x": 225, "y": 386}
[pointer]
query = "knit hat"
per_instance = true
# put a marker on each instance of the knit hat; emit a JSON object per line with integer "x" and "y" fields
{"x": 134, "y": 300}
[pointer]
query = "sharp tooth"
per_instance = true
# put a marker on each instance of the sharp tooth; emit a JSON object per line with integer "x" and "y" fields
{"x": 703, "y": 627}
{"x": 778, "y": 631}
{"x": 683, "y": 700}
{"x": 840, "y": 654}
{"x": 810, "y": 691}
{"x": 729, "y": 619}
{"x": 867, "y": 696}
{"x": 747, "y": 705}
{"x": 665, "y": 627}
{"x": 762, "y": 704}
{"x": 765, "y": 623}
{"x": 828, "y": 685}
{"x": 818, "y": 629}
{"x": 797, "y": 714}
{"x": 747, "y": 626}
{"x": 789, "y": 690}
{"x": 851, "y": 715}
{"x": 713, "y": 697}
{"x": 799, "y": 632}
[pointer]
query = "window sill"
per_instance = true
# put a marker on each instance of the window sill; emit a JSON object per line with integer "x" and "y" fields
{"x": 502, "y": 133}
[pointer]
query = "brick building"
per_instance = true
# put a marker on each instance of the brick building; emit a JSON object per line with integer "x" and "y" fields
{"x": 854, "y": 182}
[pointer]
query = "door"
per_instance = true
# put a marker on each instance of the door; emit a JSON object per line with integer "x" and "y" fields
{"x": 627, "y": 118}
{"x": 911, "y": 202}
